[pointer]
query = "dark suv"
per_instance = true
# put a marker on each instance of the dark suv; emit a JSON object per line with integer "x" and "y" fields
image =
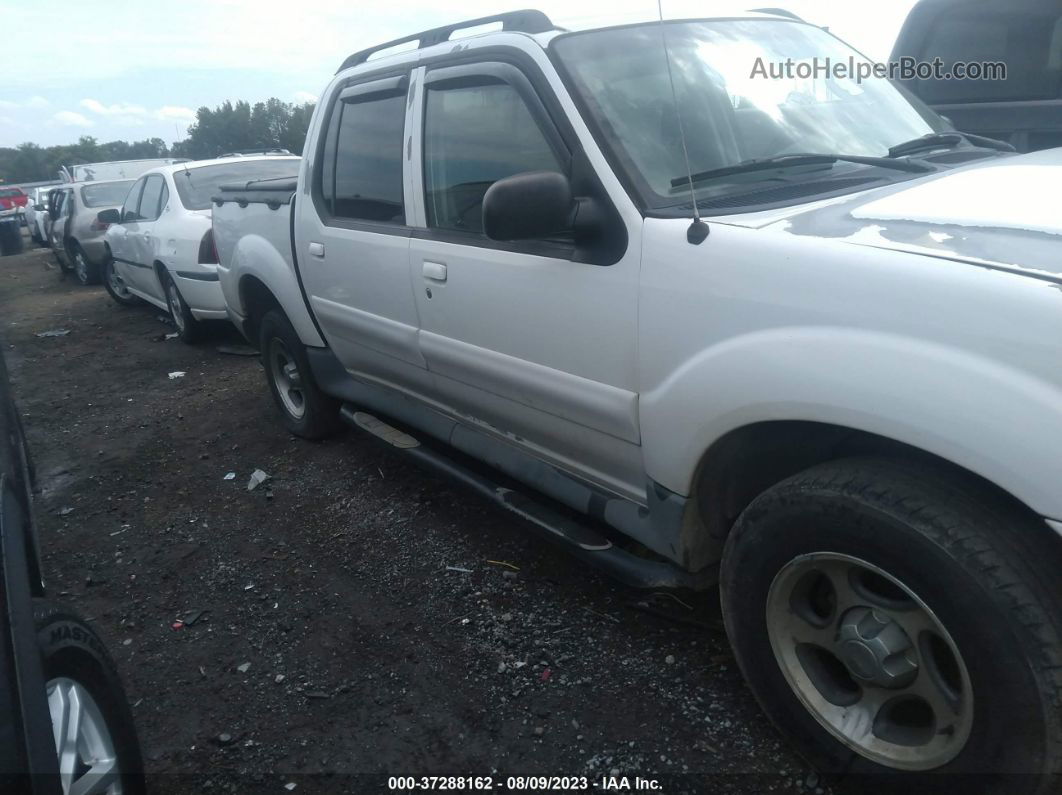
{"x": 1025, "y": 108}
{"x": 65, "y": 724}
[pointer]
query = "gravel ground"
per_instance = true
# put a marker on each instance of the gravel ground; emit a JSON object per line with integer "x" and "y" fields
{"x": 328, "y": 644}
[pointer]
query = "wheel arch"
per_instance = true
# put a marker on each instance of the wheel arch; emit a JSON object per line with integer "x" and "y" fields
{"x": 256, "y": 299}
{"x": 749, "y": 460}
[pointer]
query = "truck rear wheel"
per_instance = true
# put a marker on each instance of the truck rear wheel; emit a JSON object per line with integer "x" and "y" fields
{"x": 306, "y": 410}
{"x": 899, "y": 623}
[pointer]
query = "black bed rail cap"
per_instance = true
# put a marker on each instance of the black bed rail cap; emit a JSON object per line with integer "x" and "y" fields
{"x": 527, "y": 20}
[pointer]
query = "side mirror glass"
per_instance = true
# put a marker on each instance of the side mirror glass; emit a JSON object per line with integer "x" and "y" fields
{"x": 108, "y": 217}
{"x": 527, "y": 206}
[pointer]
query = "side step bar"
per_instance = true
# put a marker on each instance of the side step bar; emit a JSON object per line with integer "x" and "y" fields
{"x": 580, "y": 540}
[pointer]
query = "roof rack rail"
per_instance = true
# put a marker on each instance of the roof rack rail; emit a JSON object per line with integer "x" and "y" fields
{"x": 525, "y": 21}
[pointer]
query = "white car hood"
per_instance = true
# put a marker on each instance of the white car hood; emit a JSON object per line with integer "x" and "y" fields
{"x": 1002, "y": 213}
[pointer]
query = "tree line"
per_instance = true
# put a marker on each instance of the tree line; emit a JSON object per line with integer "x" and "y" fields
{"x": 229, "y": 127}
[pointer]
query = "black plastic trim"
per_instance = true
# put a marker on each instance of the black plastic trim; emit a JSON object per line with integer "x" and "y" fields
{"x": 199, "y": 277}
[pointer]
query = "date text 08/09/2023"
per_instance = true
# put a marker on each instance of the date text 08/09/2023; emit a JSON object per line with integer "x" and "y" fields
{"x": 524, "y": 783}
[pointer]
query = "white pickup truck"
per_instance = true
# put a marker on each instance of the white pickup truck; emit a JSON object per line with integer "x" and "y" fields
{"x": 793, "y": 336}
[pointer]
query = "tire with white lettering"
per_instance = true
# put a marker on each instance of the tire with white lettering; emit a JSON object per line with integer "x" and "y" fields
{"x": 98, "y": 744}
{"x": 306, "y": 410}
{"x": 902, "y": 625}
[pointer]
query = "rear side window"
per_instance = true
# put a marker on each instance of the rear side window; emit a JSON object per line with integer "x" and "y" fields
{"x": 149, "y": 200}
{"x": 132, "y": 199}
{"x": 1027, "y": 40}
{"x": 362, "y": 174}
{"x": 197, "y": 186}
{"x": 474, "y": 136}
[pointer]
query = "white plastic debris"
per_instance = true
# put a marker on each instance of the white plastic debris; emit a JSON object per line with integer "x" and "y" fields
{"x": 459, "y": 568}
{"x": 289, "y": 786}
{"x": 55, "y": 332}
{"x": 176, "y": 374}
{"x": 243, "y": 667}
{"x": 172, "y": 336}
{"x": 258, "y": 477}
{"x": 230, "y": 476}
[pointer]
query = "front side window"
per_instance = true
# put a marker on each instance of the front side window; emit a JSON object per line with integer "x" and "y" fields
{"x": 363, "y": 172}
{"x": 733, "y": 109}
{"x": 474, "y": 136}
{"x": 104, "y": 194}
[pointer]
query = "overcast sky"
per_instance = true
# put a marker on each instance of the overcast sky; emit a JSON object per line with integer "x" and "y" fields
{"x": 117, "y": 69}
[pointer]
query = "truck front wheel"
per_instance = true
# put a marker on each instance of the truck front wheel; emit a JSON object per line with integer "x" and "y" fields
{"x": 306, "y": 410}
{"x": 899, "y": 623}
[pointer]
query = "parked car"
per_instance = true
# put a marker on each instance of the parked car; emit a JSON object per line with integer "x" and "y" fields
{"x": 160, "y": 245}
{"x": 76, "y": 235}
{"x": 12, "y": 199}
{"x": 36, "y": 213}
{"x": 114, "y": 170}
{"x": 1025, "y": 107}
{"x": 67, "y": 725}
{"x": 796, "y": 337}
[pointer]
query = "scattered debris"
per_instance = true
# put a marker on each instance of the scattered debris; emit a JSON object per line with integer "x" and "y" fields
{"x": 66, "y": 511}
{"x": 539, "y": 731}
{"x": 176, "y": 374}
{"x": 55, "y": 332}
{"x": 290, "y": 786}
{"x": 172, "y": 336}
{"x": 503, "y": 563}
{"x": 243, "y": 667}
{"x": 127, "y": 642}
{"x": 545, "y": 675}
{"x": 459, "y": 568}
{"x": 258, "y": 477}
{"x": 236, "y": 350}
{"x": 224, "y": 739}
{"x": 178, "y": 624}
{"x": 278, "y": 678}
{"x": 230, "y": 476}
{"x": 190, "y": 618}
{"x": 670, "y": 659}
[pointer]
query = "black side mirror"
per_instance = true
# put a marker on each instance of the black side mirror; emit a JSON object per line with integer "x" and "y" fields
{"x": 38, "y": 208}
{"x": 535, "y": 204}
{"x": 108, "y": 217}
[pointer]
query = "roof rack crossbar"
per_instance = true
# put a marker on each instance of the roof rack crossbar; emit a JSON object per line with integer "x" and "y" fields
{"x": 527, "y": 20}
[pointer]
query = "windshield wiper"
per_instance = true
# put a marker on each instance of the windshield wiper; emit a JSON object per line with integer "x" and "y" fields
{"x": 808, "y": 159}
{"x": 948, "y": 140}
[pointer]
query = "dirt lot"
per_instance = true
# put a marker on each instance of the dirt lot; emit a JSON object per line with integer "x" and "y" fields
{"x": 336, "y": 647}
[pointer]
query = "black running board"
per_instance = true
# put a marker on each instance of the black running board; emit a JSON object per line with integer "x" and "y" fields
{"x": 582, "y": 541}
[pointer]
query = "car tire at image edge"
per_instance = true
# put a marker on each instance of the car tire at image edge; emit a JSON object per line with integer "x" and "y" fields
{"x": 189, "y": 329}
{"x": 306, "y": 410}
{"x": 901, "y": 626}
{"x": 116, "y": 289}
{"x": 86, "y": 698}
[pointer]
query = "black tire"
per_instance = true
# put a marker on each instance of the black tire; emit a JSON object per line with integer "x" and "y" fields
{"x": 985, "y": 569}
{"x": 85, "y": 270}
{"x": 189, "y": 330}
{"x": 71, "y": 649}
{"x": 279, "y": 343}
{"x": 112, "y": 283}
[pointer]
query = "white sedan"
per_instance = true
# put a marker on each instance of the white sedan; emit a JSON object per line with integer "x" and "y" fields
{"x": 161, "y": 243}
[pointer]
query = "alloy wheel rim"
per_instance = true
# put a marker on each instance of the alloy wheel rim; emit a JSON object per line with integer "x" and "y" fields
{"x": 175, "y": 306}
{"x": 287, "y": 379}
{"x": 116, "y": 283}
{"x": 81, "y": 267}
{"x": 870, "y": 661}
{"x": 88, "y": 759}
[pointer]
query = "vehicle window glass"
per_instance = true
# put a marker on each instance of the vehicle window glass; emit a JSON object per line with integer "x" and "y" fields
{"x": 104, "y": 194}
{"x": 149, "y": 199}
{"x": 368, "y": 160}
{"x": 197, "y": 186}
{"x": 131, "y": 201}
{"x": 474, "y": 136}
{"x": 165, "y": 197}
{"x": 1028, "y": 41}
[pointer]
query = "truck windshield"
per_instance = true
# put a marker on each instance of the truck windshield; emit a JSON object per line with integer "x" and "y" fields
{"x": 196, "y": 186}
{"x": 105, "y": 194}
{"x": 733, "y": 109}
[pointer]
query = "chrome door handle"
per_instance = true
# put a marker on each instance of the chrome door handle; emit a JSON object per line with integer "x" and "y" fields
{"x": 435, "y": 271}
{"x": 317, "y": 250}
